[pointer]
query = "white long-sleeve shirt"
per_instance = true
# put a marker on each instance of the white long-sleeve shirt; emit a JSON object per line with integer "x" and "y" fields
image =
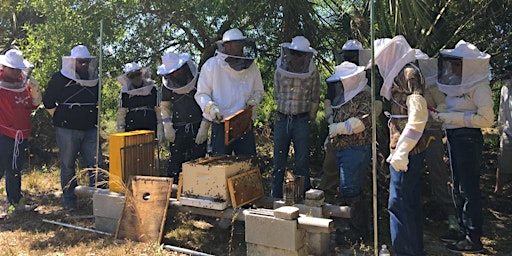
{"x": 228, "y": 88}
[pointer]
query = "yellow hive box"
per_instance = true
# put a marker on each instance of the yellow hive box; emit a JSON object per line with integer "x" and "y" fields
{"x": 131, "y": 153}
{"x": 205, "y": 182}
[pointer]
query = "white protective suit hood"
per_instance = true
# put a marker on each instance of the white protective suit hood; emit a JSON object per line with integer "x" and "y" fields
{"x": 475, "y": 68}
{"x": 353, "y": 51}
{"x": 147, "y": 83}
{"x": 299, "y": 45}
{"x": 352, "y": 77}
{"x": 171, "y": 62}
{"x": 69, "y": 66}
{"x": 428, "y": 68}
{"x": 14, "y": 59}
{"x": 391, "y": 55}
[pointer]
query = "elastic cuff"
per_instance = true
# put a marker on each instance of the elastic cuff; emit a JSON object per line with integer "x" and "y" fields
{"x": 166, "y": 120}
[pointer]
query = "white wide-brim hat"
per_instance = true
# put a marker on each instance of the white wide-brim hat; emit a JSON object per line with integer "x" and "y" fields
{"x": 352, "y": 45}
{"x": 80, "y": 52}
{"x": 344, "y": 71}
{"x": 466, "y": 50}
{"x": 299, "y": 43}
{"x": 14, "y": 59}
{"x": 171, "y": 62}
{"x": 130, "y": 67}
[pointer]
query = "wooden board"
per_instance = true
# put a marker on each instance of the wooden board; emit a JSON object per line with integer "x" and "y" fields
{"x": 245, "y": 187}
{"x": 237, "y": 125}
{"x": 180, "y": 186}
{"x": 145, "y": 209}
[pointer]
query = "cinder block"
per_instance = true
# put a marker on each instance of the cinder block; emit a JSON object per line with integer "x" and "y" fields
{"x": 278, "y": 203}
{"x": 310, "y": 211}
{"x": 314, "y": 202}
{"x": 262, "y": 250}
{"x": 315, "y": 194}
{"x": 317, "y": 243}
{"x": 107, "y": 210}
{"x": 287, "y": 213}
{"x": 273, "y": 232}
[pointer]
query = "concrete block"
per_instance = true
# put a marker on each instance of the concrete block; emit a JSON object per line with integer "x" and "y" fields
{"x": 314, "y": 202}
{"x": 272, "y": 232}
{"x": 317, "y": 243}
{"x": 262, "y": 250}
{"x": 287, "y": 213}
{"x": 107, "y": 210}
{"x": 310, "y": 211}
{"x": 314, "y": 194}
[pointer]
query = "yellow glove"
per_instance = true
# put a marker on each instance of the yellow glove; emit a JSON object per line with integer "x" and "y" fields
{"x": 213, "y": 110}
{"x": 202, "y": 133}
{"x": 121, "y": 119}
{"x": 328, "y": 112}
{"x": 170, "y": 133}
{"x": 35, "y": 93}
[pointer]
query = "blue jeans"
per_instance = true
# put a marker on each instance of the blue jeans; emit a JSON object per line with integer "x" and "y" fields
{"x": 287, "y": 129}
{"x": 405, "y": 207}
{"x": 183, "y": 149}
{"x": 71, "y": 143}
{"x": 465, "y": 148}
{"x": 245, "y": 145}
{"x": 353, "y": 163}
{"x": 12, "y": 175}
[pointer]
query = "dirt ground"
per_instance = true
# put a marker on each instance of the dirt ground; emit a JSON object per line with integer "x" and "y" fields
{"x": 27, "y": 234}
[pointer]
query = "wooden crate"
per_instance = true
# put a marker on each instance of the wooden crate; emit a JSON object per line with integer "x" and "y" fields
{"x": 205, "y": 180}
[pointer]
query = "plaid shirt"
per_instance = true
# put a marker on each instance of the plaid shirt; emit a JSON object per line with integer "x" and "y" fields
{"x": 294, "y": 95}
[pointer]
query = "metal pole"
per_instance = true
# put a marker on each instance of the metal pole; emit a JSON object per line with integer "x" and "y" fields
{"x": 374, "y": 134}
{"x": 186, "y": 251}
{"x": 75, "y": 227}
{"x": 98, "y": 121}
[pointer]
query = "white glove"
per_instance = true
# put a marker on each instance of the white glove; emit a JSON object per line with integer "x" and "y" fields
{"x": 451, "y": 118}
{"x": 328, "y": 112}
{"x": 213, "y": 110}
{"x": 400, "y": 158}
{"x": 160, "y": 133}
{"x": 202, "y": 133}
{"x": 313, "y": 111}
{"x": 254, "y": 103}
{"x": 121, "y": 119}
{"x": 35, "y": 93}
{"x": 170, "y": 133}
{"x": 350, "y": 126}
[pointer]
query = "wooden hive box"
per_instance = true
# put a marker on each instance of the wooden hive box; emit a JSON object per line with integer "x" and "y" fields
{"x": 130, "y": 153}
{"x": 205, "y": 182}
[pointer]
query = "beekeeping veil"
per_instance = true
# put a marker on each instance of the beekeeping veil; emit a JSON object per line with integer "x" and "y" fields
{"x": 353, "y": 51}
{"x": 348, "y": 80}
{"x": 80, "y": 66}
{"x": 461, "y": 69}
{"x": 237, "y": 50}
{"x": 179, "y": 72}
{"x": 13, "y": 58}
{"x": 296, "y": 58}
{"x": 391, "y": 55}
{"x": 133, "y": 72}
{"x": 428, "y": 67}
